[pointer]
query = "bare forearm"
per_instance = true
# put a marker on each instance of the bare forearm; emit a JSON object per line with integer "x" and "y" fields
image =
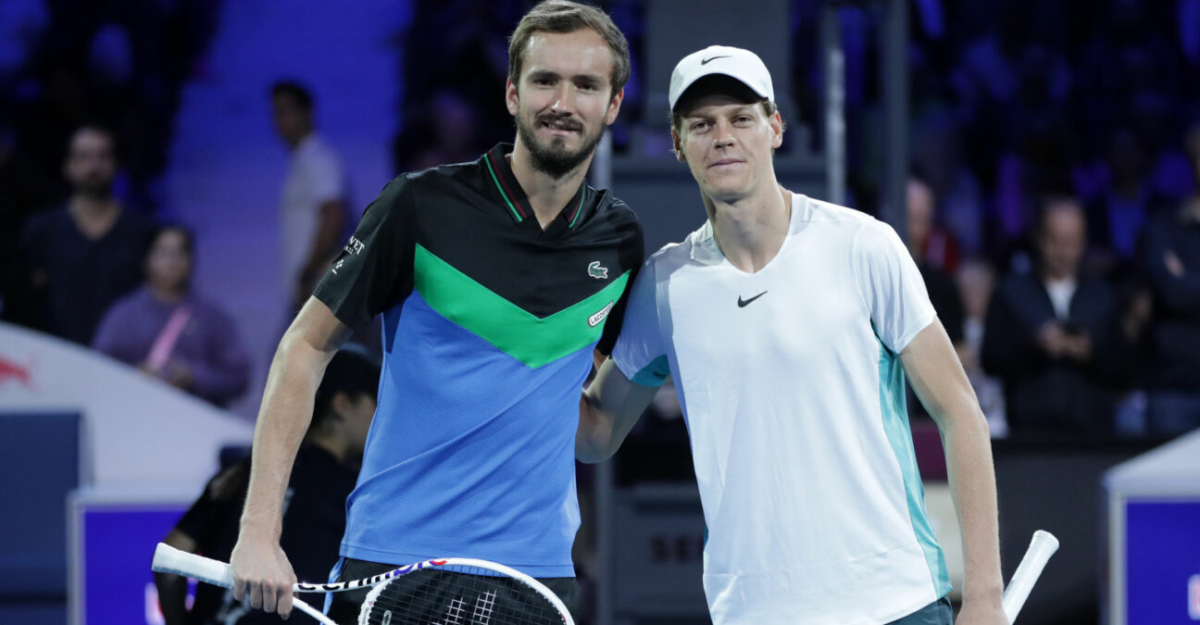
{"x": 607, "y": 412}
{"x": 282, "y": 421}
{"x": 973, "y": 486}
{"x": 594, "y": 437}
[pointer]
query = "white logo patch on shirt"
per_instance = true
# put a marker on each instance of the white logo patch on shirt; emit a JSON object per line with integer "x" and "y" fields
{"x": 597, "y": 318}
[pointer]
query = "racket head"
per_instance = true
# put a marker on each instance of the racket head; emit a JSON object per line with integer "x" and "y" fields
{"x": 462, "y": 590}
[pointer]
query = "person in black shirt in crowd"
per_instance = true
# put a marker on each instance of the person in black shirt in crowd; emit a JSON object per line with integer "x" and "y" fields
{"x": 1171, "y": 258}
{"x": 1053, "y": 336}
{"x": 86, "y": 254}
{"x": 315, "y": 516}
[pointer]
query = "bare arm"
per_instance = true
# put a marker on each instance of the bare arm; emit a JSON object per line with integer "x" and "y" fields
{"x": 172, "y": 589}
{"x": 942, "y": 386}
{"x": 261, "y": 571}
{"x": 607, "y": 411}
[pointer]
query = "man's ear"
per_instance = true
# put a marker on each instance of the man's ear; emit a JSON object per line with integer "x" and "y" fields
{"x": 614, "y": 107}
{"x": 776, "y": 130}
{"x": 677, "y": 146}
{"x": 511, "y": 98}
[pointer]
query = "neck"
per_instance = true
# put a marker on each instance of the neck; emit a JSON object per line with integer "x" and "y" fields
{"x": 751, "y": 230}
{"x": 167, "y": 294}
{"x": 88, "y": 206}
{"x": 1054, "y": 276}
{"x": 295, "y": 142}
{"x": 547, "y": 195}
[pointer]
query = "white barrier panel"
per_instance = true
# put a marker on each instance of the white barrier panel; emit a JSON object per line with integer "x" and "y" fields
{"x": 137, "y": 429}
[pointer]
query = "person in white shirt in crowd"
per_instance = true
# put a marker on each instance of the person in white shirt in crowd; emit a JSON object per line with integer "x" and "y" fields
{"x": 788, "y": 325}
{"x": 313, "y": 212}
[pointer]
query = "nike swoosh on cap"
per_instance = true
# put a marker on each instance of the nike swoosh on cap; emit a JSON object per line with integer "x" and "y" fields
{"x": 713, "y": 58}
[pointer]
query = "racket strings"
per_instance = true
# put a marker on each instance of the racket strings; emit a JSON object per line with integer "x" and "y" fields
{"x": 436, "y": 597}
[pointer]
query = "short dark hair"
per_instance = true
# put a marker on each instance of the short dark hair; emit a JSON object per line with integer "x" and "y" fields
{"x": 189, "y": 237}
{"x": 298, "y": 93}
{"x": 353, "y": 371}
{"x": 564, "y": 16}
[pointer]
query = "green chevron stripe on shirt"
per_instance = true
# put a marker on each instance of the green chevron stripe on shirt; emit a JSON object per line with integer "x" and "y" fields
{"x": 505, "y": 325}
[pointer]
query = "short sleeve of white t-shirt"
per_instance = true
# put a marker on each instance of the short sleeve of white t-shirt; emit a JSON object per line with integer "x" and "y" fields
{"x": 891, "y": 285}
{"x": 640, "y": 352}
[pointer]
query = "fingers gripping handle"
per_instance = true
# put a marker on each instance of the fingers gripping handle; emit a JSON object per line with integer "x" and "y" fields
{"x": 1043, "y": 546}
{"x": 168, "y": 559}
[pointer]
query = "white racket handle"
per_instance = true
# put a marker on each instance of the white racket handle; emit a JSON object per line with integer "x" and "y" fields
{"x": 168, "y": 559}
{"x": 1043, "y": 546}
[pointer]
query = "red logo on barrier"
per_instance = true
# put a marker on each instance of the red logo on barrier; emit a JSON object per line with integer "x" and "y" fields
{"x": 10, "y": 370}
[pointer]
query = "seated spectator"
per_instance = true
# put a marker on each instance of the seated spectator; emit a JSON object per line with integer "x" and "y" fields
{"x": 168, "y": 331}
{"x": 1171, "y": 257}
{"x": 1053, "y": 337}
{"x": 88, "y": 253}
{"x": 315, "y": 517}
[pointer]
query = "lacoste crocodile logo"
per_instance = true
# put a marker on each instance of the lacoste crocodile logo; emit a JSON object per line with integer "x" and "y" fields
{"x": 597, "y": 271}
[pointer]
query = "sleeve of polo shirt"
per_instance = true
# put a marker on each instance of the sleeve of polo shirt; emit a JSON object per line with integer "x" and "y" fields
{"x": 891, "y": 286}
{"x": 640, "y": 352}
{"x": 374, "y": 270}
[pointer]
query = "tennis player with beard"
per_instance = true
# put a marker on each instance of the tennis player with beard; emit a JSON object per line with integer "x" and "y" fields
{"x": 788, "y": 325}
{"x": 497, "y": 280}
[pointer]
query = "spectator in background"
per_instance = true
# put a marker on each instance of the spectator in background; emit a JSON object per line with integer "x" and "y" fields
{"x": 936, "y": 254}
{"x": 313, "y": 214}
{"x": 168, "y": 331}
{"x": 325, "y": 472}
{"x": 976, "y": 281}
{"x": 1171, "y": 257}
{"x": 1053, "y": 336}
{"x": 1117, "y": 218}
{"x": 87, "y": 253}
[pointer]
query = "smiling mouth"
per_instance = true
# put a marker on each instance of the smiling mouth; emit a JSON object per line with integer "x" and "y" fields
{"x": 560, "y": 126}
{"x": 725, "y": 162}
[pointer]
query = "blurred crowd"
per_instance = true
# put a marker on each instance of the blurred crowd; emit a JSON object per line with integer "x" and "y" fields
{"x": 1053, "y": 207}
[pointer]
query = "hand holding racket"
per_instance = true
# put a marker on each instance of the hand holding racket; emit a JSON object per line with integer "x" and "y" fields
{"x": 257, "y": 563}
{"x": 452, "y": 590}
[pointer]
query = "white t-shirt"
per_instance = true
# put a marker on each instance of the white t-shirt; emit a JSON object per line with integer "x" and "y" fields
{"x": 793, "y": 392}
{"x": 314, "y": 177}
{"x": 1061, "y": 292}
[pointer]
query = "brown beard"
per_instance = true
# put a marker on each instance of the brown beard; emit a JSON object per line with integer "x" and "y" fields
{"x": 556, "y": 161}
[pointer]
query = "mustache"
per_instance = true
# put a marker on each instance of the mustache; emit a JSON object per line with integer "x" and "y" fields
{"x": 565, "y": 121}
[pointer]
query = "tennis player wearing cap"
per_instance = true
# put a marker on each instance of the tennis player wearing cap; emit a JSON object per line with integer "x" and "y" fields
{"x": 788, "y": 325}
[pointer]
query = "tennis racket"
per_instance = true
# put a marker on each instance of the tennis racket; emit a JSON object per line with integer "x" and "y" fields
{"x": 1043, "y": 545}
{"x": 452, "y": 590}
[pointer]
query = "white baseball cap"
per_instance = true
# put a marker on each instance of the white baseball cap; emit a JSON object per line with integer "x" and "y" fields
{"x": 742, "y": 65}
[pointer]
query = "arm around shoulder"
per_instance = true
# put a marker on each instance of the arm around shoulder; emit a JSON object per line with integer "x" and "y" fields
{"x": 607, "y": 411}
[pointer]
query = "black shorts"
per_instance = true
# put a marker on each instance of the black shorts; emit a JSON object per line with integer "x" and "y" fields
{"x": 345, "y": 606}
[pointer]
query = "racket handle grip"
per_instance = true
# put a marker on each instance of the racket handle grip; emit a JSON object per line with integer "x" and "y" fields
{"x": 1043, "y": 545}
{"x": 168, "y": 559}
